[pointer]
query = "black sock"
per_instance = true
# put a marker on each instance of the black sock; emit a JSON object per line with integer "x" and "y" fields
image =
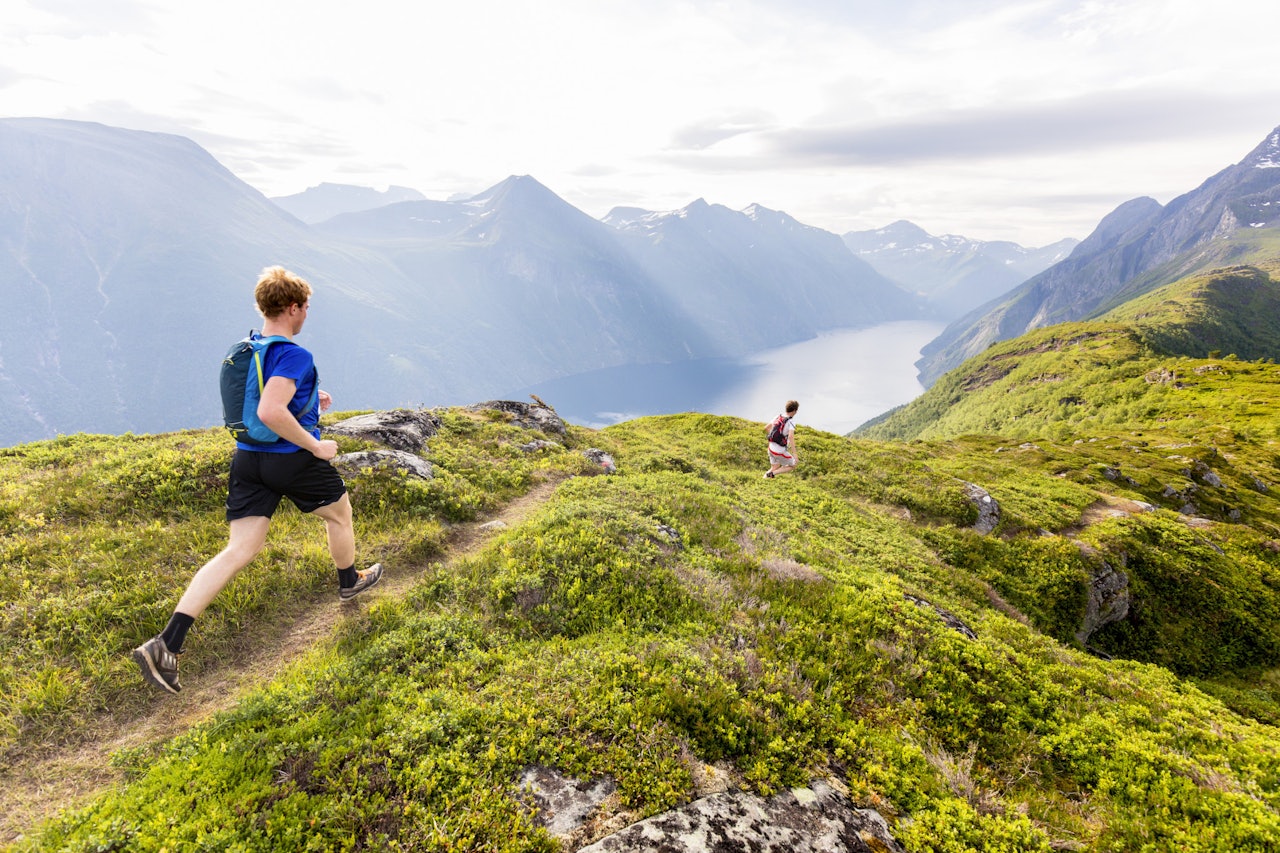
{"x": 347, "y": 577}
{"x": 176, "y": 631}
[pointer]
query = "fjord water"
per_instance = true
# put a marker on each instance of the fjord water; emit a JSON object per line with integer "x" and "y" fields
{"x": 841, "y": 378}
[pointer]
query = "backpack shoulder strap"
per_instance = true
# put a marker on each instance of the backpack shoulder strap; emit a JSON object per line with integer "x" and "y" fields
{"x": 260, "y": 345}
{"x": 259, "y": 349}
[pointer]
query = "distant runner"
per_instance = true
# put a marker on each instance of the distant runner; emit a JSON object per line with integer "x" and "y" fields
{"x": 297, "y": 467}
{"x": 782, "y": 442}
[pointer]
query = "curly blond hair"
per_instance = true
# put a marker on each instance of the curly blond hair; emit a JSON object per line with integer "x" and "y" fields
{"x": 277, "y": 289}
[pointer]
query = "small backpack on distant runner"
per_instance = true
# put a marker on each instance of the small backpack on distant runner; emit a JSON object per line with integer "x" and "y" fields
{"x": 777, "y": 430}
{"x": 241, "y": 382}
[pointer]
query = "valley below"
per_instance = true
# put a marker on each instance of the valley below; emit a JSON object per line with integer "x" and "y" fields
{"x": 841, "y": 378}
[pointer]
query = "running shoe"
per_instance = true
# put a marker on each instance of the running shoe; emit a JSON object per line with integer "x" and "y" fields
{"x": 159, "y": 665}
{"x": 368, "y": 578}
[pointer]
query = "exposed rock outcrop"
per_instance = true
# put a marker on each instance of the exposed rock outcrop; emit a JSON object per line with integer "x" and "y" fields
{"x": 526, "y": 415}
{"x": 1115, "y": 475}
{"x": 1108, "y": 599}
{"x": 817, "y": 819}
{"x": 400, "y": 429}
{"x": 1208, "y": 475}
{"x": 988, "y": 508}
{"x": 604, "y": 460}
{"x": 951, "y": 620}
{"x": 561, "y": 803}
{"x": 350, "y": 464}
{"x": 671, "y": 536}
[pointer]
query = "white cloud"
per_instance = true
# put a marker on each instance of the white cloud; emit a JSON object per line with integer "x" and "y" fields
{"x": 1000, "y": 120}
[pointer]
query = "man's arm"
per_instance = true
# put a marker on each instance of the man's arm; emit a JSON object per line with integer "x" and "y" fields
{"x": 273, "y": 410}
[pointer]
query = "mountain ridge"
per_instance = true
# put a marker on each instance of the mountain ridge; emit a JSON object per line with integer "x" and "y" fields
{"x": 1021, "y": 387}
{"x": 1138, "y": 237}
{"x": 327, "y": 200}
{"x": 114, "y": 236}
{"x": 725, "y": 266}
{"x": 956, "y": 274}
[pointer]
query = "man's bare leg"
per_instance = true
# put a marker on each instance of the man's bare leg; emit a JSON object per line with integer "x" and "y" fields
{"x": 247, "y": 537}
{"x": 341, "y": 531}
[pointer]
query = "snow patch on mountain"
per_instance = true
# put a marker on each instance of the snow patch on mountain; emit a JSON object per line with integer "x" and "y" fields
{"x": 1268, "y": 154}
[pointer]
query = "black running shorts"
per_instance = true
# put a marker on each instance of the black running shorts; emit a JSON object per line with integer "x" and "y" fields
{"x": 259, "y": 480}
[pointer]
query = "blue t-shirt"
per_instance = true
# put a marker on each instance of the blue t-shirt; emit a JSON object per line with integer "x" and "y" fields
{"x": 292, "y": 362}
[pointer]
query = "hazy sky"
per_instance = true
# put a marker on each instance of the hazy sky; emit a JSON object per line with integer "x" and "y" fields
{"x": 1025, "y": 121}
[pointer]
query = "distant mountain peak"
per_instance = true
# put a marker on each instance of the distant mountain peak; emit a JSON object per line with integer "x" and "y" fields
{"x": 706, "y": 215}
{"x": 698, "y": 210}
{"x": 1266, "y": 155}
{"x": 954, "y": 273}
{"x": 519, "y": 190}
{"x": 904, "y": 231}
{"x": 760, "y": 213}
{"x": 1122, "y": 220}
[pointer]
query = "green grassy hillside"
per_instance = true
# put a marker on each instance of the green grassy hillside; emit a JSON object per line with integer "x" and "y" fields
{"x": 1183, "y": 360}
{"x": 682, "y": 613}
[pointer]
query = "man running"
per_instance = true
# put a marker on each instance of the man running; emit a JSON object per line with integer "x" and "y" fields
{"x": 296, "y": 467}
{"x": 782, "y": 442}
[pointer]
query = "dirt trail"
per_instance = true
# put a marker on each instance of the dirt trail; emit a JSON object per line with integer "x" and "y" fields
{"x": 65, "y": 777}
{"x": 1107, "y": 506}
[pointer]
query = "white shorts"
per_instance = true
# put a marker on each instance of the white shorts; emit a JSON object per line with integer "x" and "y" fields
{"x": 780, "y": 456}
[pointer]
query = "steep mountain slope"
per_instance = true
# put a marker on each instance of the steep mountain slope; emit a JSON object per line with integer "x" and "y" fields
{"x": 757, "y": 278}
{"x": 955, "y": 274}
{"x": 1139, "y": 246}
{"x": 1156, "y": 357}
{"x": 530, "y": 279}
{"x": 126, "y": 266}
